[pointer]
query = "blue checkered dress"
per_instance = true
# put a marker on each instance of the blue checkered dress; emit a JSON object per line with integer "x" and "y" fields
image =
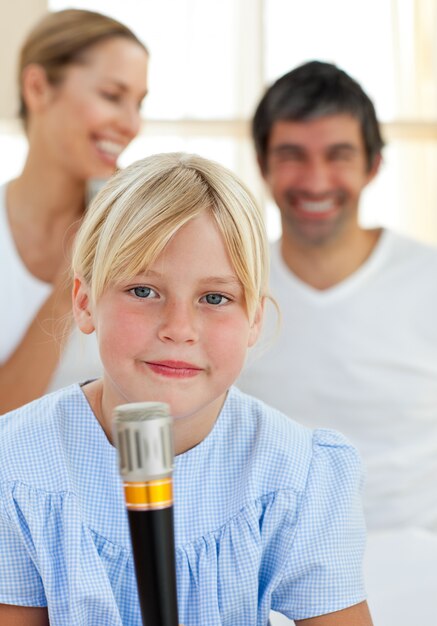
{"x": 268, "y": 516}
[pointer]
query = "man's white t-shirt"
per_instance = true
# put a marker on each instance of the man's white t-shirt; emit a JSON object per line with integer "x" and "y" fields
{"x": 361, "y": 357}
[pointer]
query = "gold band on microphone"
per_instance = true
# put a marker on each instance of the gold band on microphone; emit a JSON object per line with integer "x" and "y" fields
{"x": 145, "y": 496}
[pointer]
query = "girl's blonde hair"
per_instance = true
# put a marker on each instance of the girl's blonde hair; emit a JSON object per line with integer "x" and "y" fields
{"x": 60, "y": 38}
{"x": 141, "y": 208}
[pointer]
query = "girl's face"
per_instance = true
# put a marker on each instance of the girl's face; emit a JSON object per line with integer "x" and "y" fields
{"x": 94, "y": 113}
{"x": 177, "y": 333}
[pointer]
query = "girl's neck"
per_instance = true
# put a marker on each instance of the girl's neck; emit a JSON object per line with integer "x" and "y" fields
{"x": 188, "y": 432}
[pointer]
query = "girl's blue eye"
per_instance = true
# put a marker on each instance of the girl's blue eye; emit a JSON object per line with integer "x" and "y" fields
{"x": 142, "y": 292}
{"x": 216, "y": 298}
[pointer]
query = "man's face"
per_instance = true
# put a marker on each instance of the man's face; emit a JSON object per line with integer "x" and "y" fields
{"x": 316, "y": 171}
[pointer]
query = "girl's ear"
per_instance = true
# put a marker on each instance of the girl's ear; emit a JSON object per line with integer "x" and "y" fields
{"x": 82, "y": 306}
{"x": 255, "y": 327}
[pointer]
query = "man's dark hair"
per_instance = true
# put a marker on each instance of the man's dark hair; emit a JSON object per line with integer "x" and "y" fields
{"x": 311, "y": 91}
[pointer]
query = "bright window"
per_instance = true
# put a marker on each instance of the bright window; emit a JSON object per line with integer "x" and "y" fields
{"x": 211, "y": 61}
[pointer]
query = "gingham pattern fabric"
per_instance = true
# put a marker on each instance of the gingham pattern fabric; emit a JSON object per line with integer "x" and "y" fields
{"x": 268, "y": 516}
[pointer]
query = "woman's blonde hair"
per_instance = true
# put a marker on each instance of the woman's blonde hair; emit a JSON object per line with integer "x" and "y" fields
{"x": 60, "y": 38}
{"x": 141, "y": 208}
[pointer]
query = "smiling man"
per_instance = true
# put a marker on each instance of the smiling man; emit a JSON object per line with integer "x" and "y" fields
{"x": 318, "y": 145}
{"x": 356, "y": 348}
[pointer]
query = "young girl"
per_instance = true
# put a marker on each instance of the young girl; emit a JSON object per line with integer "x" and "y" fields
{"x": 82, "y": 76}
{"x": 171, "y": 274}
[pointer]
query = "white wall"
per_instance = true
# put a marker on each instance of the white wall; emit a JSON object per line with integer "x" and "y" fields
{"x": 16, "y": 18}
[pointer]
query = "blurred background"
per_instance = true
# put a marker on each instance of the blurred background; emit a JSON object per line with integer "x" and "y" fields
{"x": 212, "y": 59}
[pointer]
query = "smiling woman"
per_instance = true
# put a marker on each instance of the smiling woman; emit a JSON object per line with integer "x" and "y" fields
{"x": 82, "y": 78}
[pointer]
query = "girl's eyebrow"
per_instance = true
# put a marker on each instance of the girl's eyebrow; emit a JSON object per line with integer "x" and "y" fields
{"x": 227, "y": 279}
{"x": 222, "y": 280}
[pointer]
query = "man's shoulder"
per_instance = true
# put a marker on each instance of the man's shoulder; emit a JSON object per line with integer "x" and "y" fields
{"x": 408, "y": 255}
{"x": 401, "y": 243}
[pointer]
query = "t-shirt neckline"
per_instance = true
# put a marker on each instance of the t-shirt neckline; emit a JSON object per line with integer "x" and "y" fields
{"x": 349, "y": 284}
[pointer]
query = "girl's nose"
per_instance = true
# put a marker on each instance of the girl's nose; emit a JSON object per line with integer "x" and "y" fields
{"x": 178, "y": 324}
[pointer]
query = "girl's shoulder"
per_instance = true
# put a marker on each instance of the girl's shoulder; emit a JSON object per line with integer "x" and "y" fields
{"x": 260, "y": 475}
{"x": 32, "y": 437}
{"x": 285, "y": 451}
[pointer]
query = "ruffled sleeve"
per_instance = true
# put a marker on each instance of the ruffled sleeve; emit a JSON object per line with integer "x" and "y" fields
{"x": 323, "y": 566}
{"x": 20, "y": 582}
{"x": 49, "y": 557}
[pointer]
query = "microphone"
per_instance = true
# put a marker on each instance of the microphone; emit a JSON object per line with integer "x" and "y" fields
{"x": 144, "y": 440}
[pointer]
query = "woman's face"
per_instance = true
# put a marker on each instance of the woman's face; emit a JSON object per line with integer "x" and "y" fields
{"x": 95, "y": 112}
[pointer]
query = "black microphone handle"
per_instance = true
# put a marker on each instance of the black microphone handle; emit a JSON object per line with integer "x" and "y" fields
{"x": 153, "y": 548}
{"x": 144, "y": 439}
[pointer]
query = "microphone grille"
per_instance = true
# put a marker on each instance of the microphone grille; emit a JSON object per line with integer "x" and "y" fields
{"x": 144, "y": 440}
{"x": 140, "y": 411}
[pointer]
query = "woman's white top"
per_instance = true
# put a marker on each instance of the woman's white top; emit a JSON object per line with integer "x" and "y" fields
{"x": 21, "y": 297}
